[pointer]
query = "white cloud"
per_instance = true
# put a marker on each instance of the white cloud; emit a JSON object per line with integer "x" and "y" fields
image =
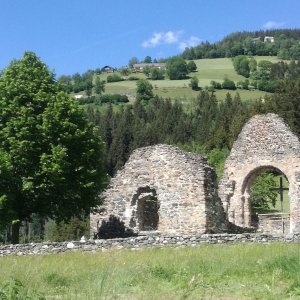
{"x": 191, "y": 42}
{"x": 273, "y": 24}
{"x": 172, "y": 37}
{"x": 158, "y": 38}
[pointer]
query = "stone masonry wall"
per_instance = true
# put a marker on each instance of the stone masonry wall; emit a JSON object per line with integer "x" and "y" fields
{"x": 139, "y": 242}
{"x": 181, "y": 186}
{"x": 265, "y": 143}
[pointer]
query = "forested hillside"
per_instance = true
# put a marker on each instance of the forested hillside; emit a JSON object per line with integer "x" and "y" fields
{"x": 209, "y": 127}
{"x": 253, "y": 62}
{"x": 285, "y": 45}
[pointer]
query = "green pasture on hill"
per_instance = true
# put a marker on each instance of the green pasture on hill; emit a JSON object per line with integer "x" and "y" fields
{"x": 207, "y": 70}
{"x": 238, "y": 271}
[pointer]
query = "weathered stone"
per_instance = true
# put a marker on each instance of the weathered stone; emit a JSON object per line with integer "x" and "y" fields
{"x": 70, "y": 245}
{"x": 265, "y": 144}
{"x": 166, "y": 190}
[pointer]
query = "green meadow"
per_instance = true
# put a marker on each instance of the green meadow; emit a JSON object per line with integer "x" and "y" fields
{"x": 236, "y": 271}
{"x": 207, "y": 70}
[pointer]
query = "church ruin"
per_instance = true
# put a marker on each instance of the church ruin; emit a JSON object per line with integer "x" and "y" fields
{"x": 166, "y": 190}
{"x": 169, "y": 191}
{"x": 265, "y": 144}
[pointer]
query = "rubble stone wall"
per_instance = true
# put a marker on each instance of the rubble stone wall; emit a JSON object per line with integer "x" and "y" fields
{"x": 265, "y": 143}
{"x": 181, "y": 185}
{"x": 140, "y": 242}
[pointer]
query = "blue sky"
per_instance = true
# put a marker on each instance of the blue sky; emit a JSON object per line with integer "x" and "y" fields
{"x": 74, "y": 35}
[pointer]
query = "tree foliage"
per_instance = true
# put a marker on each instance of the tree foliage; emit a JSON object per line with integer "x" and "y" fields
{"x": 144, "y": 90}
{"x": 194, "y": 83}
{"x": 99, "y": 86}
{"x": 241, "y": 65}
{"x": 209, "y": 124}
{"x": 285, "y": 46}
{"x": 72, "y": 230}
{"x": 148, "y": 59}
{"x": 157, "y": 74}
{"x": 228, "y": 84}
{"x": 261, "y": 197}
{"x": 177, "y": 68}
{"x": 132, "y": 61}
{"x": 51, "y": 159}
{"x": 192, "y": 67}
{"x": 286, "y": 103}
{"x": 114, "y": 78}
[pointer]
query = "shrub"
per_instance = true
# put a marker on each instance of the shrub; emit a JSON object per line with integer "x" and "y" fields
{"x": 243, "y": 84}
{"x": 267, "y": 85}
{"x": 228, "y": 84}
{"x": 62, "y": 231}
{"x": 194, "y": 83}
{"x": 114, "y": 98}
{"x": 133, "y": 78}
{"x": 216, "y": 85}
{"x": 88, "y": 100}
{"x": 114, "y": 78}
{"x": 192, "y": 67}
{"x": 156, "y": 74}
{"x": 241, "y": 65}
{"x": 14, "y": 289}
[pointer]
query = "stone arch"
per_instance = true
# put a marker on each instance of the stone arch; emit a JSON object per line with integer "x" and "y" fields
{"x": 245, "y": 192}
{"x": 255, "y": 172}
{"x": 265, "y": 143}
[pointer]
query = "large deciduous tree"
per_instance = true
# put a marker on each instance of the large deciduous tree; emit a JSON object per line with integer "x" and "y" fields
{"x": 177, "y": 68}
{"x": 51, "y": 158}
{"x": 144, "y": 90}
{"x": 191, "y": 66}
{"x": 132, "y": 61}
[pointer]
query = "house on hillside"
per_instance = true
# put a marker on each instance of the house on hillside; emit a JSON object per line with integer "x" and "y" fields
{"x": 107, "y": 69}
{"x": 140, "y": 67}
{"x": 269, "y": 39}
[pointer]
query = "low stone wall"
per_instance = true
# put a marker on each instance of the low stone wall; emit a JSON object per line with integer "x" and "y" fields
{"x": 138, "y": 242}
{"x": 273, "y": 223}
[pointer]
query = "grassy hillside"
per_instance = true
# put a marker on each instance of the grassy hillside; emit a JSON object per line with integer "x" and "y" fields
{"x": 207, "y": 70}
{"x": 240, "y": 271}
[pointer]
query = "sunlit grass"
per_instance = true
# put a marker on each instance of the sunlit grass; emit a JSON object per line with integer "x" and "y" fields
{"x": 250, "y": 271}
{"x": 207, "y": 70}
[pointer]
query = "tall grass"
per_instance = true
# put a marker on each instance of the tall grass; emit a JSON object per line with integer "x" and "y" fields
{"x": 250, "y": 271}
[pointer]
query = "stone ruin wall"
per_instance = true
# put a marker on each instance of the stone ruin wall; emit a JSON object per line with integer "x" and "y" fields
{"x": 182, "y": 184}
{"x": 140, "y": 242}
{"x": 265, "y": 143}
{"x": 184, "y": 188}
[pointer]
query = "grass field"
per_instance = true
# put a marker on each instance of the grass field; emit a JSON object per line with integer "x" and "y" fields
{"x": 207, "y": 70}
{"x": 240, "y": 271}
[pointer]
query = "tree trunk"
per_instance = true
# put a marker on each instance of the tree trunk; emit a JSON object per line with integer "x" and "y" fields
{"x": 26, "y": 231}
{"x": 8, "y": 235}
{"x": 15, "y": 228}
